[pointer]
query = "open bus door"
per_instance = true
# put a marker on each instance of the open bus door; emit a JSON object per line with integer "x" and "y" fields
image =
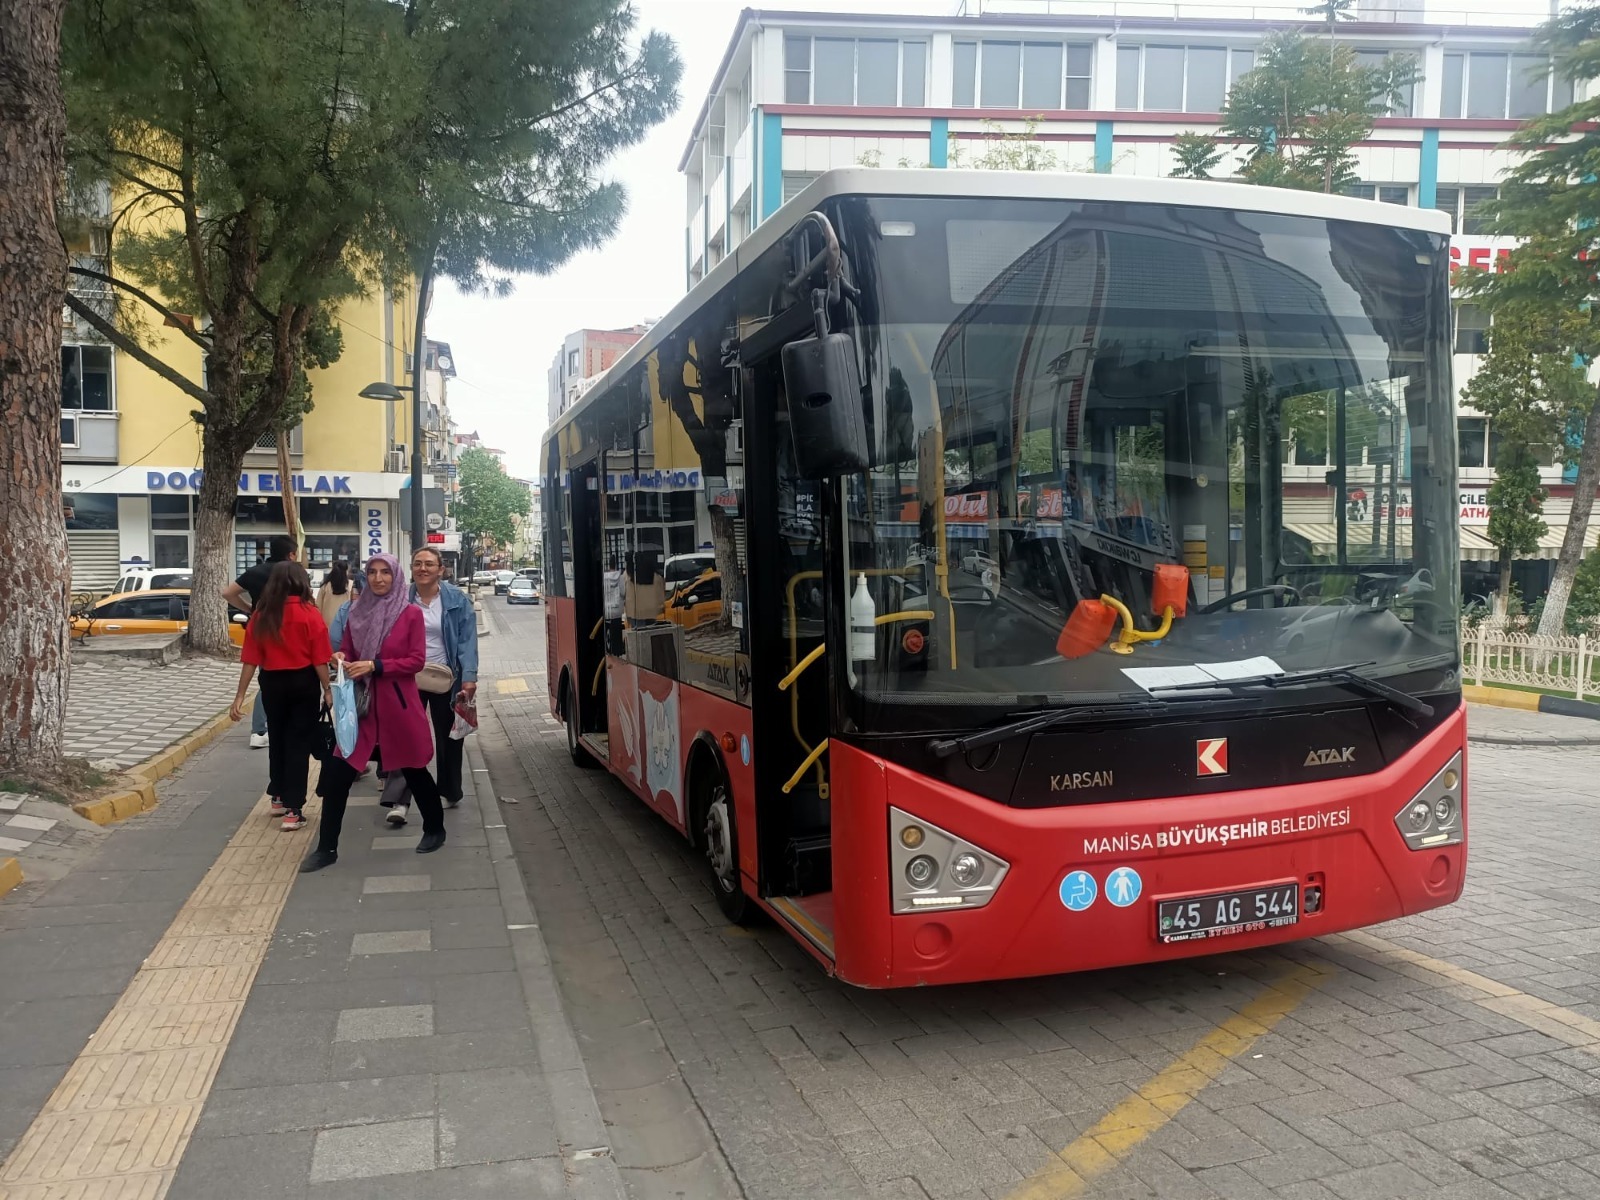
{"x": 588, "y": 590}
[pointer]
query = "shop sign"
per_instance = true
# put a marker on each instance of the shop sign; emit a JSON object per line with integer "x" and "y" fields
{"x": 662, "y": 480}
{"x": 186, "y": 481}
{"x": 372, "y": 529}
{"x": 1474, "y": 505}
{"x": 263, "y": 483}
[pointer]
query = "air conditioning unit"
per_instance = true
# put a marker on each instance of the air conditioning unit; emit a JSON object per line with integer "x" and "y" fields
{"x": 395, "y": 461}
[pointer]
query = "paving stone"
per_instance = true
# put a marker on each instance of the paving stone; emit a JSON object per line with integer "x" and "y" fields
{"x": 374, "y": 885}
{"x": 374, "y": 1024}
{"x": 367, "y": 1151}
{"x": 403, "y": 941}
{"x": 28, "y": 821}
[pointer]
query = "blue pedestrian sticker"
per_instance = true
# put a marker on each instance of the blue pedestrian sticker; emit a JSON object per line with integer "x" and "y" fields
{"x": 1078, "y": 890}
{"x": 1123, "y": 886}
{"x": 744, "y": 749}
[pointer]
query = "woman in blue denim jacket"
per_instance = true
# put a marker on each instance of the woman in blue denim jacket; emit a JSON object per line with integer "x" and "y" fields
{"x": 451, "y": 630}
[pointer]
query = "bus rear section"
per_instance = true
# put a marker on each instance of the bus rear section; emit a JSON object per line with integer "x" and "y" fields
{"x": 1116, "y": 623}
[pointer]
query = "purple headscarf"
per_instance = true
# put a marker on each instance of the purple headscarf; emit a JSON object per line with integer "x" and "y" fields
{"x": 372, "y": 616}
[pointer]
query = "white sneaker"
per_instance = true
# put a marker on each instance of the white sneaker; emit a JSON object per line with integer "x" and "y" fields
{"x": 396, "y": 816}
{"x": 258, "y": 741}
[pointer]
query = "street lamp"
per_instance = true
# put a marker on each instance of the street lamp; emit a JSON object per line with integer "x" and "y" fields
{"x": 388, "y": 393}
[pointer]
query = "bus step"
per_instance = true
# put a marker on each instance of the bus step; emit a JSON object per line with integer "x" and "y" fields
{"x": 809, "y": 862}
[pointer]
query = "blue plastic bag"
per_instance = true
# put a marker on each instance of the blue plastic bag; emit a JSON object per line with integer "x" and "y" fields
{"x": 346, "y": 720}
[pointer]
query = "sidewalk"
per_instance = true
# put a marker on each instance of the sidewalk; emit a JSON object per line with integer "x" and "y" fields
{"x": 227, "y": 1027}
{"x": 1496, "y": 726}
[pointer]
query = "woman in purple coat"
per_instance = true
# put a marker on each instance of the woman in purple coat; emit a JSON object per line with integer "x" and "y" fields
{"x": 383, "y": 644}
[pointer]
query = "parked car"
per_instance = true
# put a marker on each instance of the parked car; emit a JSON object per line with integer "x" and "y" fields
{"x": 502, "y": 581}
{"x": 522, "y": 591}
{"x": 695, "y": 603}
{"x": 680, "y": 569}
{"x": 144, "y": 579}
{"x": 130, "y": 614}
{"x": 483, "y": 579}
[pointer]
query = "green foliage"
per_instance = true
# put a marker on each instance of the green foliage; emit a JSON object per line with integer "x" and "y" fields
{"x": 1007, "y": 150}
{"x": 1526, "y": 384}
{"x": 1196, "y": 155}
{"x": 1305, "y": 106}
{"x": 488, "y": 501}
{"x": 1516, "y": 503}
{"x": 1584, "y": 607}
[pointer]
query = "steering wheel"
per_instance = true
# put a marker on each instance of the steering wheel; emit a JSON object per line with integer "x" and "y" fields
{"x": 1273, "y": 589}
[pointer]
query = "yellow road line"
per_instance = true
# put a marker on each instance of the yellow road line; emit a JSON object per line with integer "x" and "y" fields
{"x": 117, "y": 1125}
{"x": 514, "y": 683}
{"x": 1116, "y": 1135}
{"x": 1563, "y": 1024}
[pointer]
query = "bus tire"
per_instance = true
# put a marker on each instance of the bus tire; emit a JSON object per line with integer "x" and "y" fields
{"x": 719, "y": 838}
{"x": 575, "y": 748}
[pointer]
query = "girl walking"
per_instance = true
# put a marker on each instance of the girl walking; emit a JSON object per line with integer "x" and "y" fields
{"x": 288, "y": 640}
{"x": 335, "y": 592}
{"x": 383, "y": 647}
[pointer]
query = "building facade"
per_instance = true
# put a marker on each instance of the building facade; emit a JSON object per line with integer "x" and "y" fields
{"x": 131, "y": 451}
{"x": 800, "y": 93}
{"x": 583, "y": 357}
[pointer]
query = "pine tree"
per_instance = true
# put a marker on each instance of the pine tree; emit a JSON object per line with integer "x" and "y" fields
{"x": 33, "y": 267}
{"x": 1551, "y": 199}
{"x": 302, "y": 152}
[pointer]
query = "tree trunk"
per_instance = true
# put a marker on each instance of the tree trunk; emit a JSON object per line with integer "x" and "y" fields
{"x": 34, "y": 590}
{"x": 1502, "y": 591}
{"x": 291, "y": 504}
{"x": 1552, "y": 622}
{"x": 213, "y": 544}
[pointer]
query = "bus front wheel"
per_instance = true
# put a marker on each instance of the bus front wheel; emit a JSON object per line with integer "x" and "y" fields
{"x": 721, "y": 837}
{"x": 575, "y": 748}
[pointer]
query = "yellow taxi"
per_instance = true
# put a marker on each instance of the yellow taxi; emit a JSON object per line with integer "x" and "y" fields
{"x": 696, "y": 602}
{"x": 130, "y": 614}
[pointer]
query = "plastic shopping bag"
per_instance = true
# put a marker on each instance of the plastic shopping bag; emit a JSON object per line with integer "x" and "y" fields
{"x": 466, "y": 718}
{"x": 346, "y": 720}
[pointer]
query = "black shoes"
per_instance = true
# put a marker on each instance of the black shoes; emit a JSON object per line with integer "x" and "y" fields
{"x": 318, "y": 859}
{"x": 430, "y": 842}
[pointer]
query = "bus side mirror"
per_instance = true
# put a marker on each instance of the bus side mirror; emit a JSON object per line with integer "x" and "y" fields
{"x": 826, "y": 415}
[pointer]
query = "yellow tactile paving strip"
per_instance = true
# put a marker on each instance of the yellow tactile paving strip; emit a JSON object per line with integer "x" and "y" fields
{"x": 117, "y": 1125}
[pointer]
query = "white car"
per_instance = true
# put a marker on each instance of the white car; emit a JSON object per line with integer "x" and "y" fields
{"x": 680, "y": 569}
{"x": 144, "y": 579}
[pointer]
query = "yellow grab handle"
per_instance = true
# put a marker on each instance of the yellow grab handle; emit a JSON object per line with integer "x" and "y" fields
{"x": 595, "y": 632}
{"x": 799, "y": 667}
{"x": 1130, "y": 636}
{"x": 913, "y": 614}
{"x": 594, "y": 688}
{"x": 805, "y": 766}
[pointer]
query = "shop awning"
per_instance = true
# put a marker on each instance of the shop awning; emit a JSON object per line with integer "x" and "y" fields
{"x": 1550, "y": 543}
{"x": 1324, "y": 539}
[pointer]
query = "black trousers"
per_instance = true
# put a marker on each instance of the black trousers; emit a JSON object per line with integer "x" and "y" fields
{"x": 447, "y": 750}
{"x": 292, "y": 700}
{"x": 339, "y": 776}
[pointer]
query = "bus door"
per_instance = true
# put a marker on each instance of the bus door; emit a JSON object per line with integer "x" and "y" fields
{"x": 789, "y": 603}
{"x": 588, "y": 590}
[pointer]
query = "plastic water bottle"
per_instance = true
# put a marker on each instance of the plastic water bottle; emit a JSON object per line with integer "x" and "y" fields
{"x": 863, "y": 623}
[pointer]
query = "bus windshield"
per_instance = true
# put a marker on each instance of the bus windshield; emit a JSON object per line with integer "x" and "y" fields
{"x": 1085, "y": 414}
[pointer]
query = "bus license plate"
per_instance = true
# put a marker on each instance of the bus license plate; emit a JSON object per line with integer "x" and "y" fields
{"x": 1228, "y": 912}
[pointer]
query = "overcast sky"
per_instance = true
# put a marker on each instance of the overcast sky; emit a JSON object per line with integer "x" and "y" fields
{"x": 503, "y": 347}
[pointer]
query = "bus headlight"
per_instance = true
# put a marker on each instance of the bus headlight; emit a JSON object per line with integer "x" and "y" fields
{"x": 1433, "y": 817}
{"x": 932, "y": 868}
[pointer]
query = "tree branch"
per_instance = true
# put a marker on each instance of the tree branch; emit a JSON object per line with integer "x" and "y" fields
{"x": 561, "y": 109}
{"x": 128, "y": 346}
{"x": 191, "y": 228}
{"x": 145, "y": 296}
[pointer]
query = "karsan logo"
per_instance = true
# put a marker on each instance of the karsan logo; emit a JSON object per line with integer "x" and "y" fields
{"x": 1323, "y": 758}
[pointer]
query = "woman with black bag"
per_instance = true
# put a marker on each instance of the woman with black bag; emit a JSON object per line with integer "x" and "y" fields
{"x": 288, "y": 640}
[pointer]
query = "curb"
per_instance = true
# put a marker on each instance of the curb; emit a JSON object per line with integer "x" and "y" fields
{"x": 119, "y": 806}
{"x": 1558, "y": 706}
{"x": 10, "y": 874}
{"x": 580, "y": 1129}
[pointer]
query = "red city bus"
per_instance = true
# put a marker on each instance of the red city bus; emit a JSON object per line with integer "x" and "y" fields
{"x": 982, "y": 570}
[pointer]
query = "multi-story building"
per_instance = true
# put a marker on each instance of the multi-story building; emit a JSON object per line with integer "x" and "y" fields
{"x": 584, "y": 356}
{"x": 131, "y": 451}
{"x": 1106, "y": 88}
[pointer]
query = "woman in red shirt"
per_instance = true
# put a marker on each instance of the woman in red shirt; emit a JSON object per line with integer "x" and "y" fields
{"x": 288, "y": 639}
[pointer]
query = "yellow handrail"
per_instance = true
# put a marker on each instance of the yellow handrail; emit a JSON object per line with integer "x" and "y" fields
{"x": 594, "y": 688}
{"x": 816, "y": 653}
{"x": 595, "y": 632}
{"x": 911, "y": 614}
{"x": 1129, "y": 637}
{"x": 805, "y": 766}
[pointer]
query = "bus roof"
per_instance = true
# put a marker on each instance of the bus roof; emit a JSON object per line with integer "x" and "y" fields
{"x": 1017, "y": 185}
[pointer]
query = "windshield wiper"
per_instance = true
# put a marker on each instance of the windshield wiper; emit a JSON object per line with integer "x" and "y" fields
{"x": 1350, "y": 676}
{"x": 1131, "y": 707}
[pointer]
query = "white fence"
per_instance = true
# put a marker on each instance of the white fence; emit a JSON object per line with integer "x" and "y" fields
{"x": 1493, "y": 654}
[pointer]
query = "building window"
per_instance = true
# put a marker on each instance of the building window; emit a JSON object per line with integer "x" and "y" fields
{"x": 795, "y": 182}
{"x": 1178, "y": 78}
{"x": 1379, "y": 58}
{"x": 1037, "y": 76}
{"x": 1472, "y": 441}
{"x": 1472, "y": 330}
{"x": 1465, "y": 206}
{"x": 574, "y": 357}
{"x": 1386, "y": 193}
{"x": 86, "y": 378}
{"x": 1497, "y": 86}
{"x": 90, "y": 510}
{"x": 863, "y": 72}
